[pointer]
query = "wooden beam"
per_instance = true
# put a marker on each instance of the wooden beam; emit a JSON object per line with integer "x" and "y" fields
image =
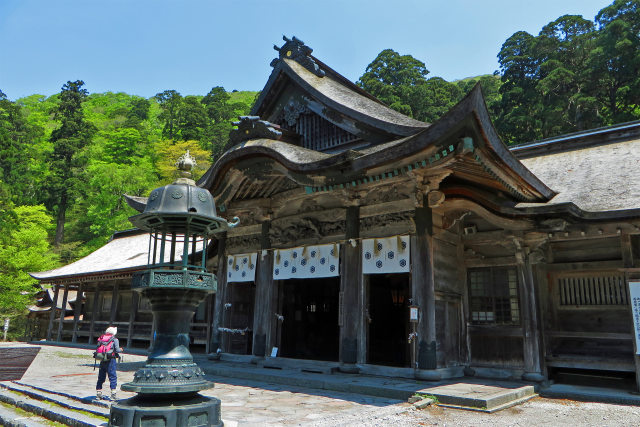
{"x": 208, "y": 320}
{"x": 135, "y": 298}
{"x": 54, "y": 307}
{"x": 218, "y": 309}
{"x": 264, "y": 298}
{"x": 423, "y": 288}
{"x": 497, "y": 220}
{"x": 115, "y": 296}
{"x": 76, "y": 311}
{"x": 490, "y": 262}
{"x": 63, "y": 311}
{"x": 96, "y": 300}
{"x": 350, "y": 277}
{"x": 529, "y": 315}
{"x": 628, "y": 262}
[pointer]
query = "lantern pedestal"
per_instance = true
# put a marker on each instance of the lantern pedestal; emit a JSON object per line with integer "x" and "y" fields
{"x": 176, "y": 409}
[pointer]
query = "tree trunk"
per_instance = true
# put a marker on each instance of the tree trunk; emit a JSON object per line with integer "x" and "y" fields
{"x": 62, "y": 210}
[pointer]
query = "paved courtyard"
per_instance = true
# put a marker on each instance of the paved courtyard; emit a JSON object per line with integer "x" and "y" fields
{"x": 252, "y": 403}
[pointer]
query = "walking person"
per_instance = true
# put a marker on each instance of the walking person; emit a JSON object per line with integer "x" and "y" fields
{"x": 108, "y": 352}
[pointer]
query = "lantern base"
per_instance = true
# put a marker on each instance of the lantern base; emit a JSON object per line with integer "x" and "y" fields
{"x": 190, "y": 409}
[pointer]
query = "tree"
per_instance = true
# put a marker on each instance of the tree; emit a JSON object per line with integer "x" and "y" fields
{"x": 221, "y": 113}
{"x": 169, "y": 152}
{"x": 17, "y": 151}
{"x": 73, "y": 134}
{"x": 24, "y": 247}
{"x": 615, "y": 61}
{"x": 192, "y": 119}
{"x": 518, "y": 120}
{"x": 562, "y": 49}
{"x": 170, "y": 102}
{"x": 431, "y": 100}
{"x": 391, "y": 78}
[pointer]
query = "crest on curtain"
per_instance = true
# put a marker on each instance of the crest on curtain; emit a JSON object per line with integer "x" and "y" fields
{"x": 386, "y": 255}
{"x": 306, "y": 262}
{"x": 241, "y": 267}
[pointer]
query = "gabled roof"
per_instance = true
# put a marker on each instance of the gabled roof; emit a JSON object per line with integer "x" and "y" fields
{"x": 328, "y": 90}
{"x": 487, "y": 159}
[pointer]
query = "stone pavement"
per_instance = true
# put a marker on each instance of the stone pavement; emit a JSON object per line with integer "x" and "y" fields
{"x": 251, "y": 402}
{"x": 69, "y": 371}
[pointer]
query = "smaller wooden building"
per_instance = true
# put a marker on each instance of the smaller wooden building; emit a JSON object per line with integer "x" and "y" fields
{"x": 104, "y": 279}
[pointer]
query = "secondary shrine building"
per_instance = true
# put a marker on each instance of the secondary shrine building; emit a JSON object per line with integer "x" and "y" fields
{"x": 378, "y": 243}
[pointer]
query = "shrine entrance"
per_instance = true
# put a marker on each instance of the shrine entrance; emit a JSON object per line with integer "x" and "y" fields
{"x": 388, "y": 318}
{"x": 240, "y": 317}
{"x": 310, "y": 328}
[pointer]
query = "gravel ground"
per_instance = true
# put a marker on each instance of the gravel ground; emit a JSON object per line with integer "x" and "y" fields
{"x": 536, "y": 412}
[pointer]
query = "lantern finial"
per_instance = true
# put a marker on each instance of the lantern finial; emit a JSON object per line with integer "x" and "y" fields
{"x": 184, "y": 164}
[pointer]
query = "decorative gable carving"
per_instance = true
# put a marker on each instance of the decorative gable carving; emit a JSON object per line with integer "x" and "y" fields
{"x": 296, "y": 49}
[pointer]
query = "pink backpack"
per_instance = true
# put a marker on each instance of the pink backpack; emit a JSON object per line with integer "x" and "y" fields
{"x": 105, "y": 348}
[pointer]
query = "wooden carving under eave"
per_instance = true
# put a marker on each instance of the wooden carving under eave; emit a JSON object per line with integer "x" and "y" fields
{"x": 290, "y": 232}
{"x": 251, "y": 127}
{"x": 387, "y": 224}
{"x": 241, "y": 244}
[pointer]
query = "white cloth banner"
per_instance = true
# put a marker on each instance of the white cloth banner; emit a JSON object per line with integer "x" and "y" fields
{"x": 241, "y": 267}
{"x": 386, "y": 255}
{"x": 306, "y": 262}
{"x": 634, "y": 293}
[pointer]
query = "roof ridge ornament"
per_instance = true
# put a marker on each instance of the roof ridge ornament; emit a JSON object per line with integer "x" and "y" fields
{"x": 251, "y": 127}
{"x": 295, "y": 49}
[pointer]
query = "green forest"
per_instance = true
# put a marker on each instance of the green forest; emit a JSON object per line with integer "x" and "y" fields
{"x": 67, "y": 159}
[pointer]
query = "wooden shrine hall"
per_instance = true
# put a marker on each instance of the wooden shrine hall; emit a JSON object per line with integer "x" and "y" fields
{"x": 377, "y": 243}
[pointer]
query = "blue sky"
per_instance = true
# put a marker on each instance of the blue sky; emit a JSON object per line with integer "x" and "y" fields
{"x": 146, "y": 46}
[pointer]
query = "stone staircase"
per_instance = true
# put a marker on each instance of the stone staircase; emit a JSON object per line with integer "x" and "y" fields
{"x": 23, "y": 405}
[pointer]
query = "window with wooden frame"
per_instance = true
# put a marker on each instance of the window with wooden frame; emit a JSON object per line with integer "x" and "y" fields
{"x": 493, "y": 296}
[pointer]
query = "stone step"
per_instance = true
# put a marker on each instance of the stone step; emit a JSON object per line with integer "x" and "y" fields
{"x": 91, "y": 405}
{"x": 53, "y": 407}
{"x": 14, "y": 417}
{"x": 480, "y": 397}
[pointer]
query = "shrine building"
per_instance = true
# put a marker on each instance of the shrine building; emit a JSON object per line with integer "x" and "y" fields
{"x": 371, "y": 242}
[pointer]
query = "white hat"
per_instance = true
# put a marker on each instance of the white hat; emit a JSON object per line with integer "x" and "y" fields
{"x": 111, "y": 330}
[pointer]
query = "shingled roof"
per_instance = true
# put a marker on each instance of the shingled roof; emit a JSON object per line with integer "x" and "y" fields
{"x": 596, "y": 170}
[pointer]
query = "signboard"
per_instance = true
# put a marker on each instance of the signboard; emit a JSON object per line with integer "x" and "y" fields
{"x": 6, "y": 324}
{"x": 634, "y": 293}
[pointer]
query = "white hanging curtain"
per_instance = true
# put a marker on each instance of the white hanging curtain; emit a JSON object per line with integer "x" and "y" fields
{"x": 306, "y": 262}
{"x": 241, "y": 267}
{"x": 386, "y": 255}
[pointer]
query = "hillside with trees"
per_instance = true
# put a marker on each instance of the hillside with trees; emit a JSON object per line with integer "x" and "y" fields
{"x": 66, "y": 159}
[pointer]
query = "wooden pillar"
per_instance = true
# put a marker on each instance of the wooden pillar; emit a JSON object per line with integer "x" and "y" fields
{"x": 350, "y": 285}
{"x": 529, "y": 316}
{"x": 208, "y": 315}
{"x": 115, "y": 296}
{"x": 135, "y": 298}
{"x": 94, "y": 310}
{"x": 218, "y": 308}
{"x": 63, "y": 311}
{"x": 627, "y": 260}
{"x": 52, "y": 315}
{"x": 76, "y": 312}
{"x": 263, "y": 317}
{"x": 423, "y": 291}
